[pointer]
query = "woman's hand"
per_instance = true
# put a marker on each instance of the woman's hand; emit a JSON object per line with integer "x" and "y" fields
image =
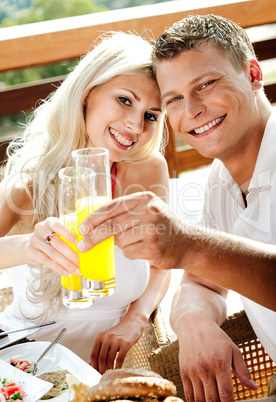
{"x": 111, "y": 346}
{"x": 55, "y": 254}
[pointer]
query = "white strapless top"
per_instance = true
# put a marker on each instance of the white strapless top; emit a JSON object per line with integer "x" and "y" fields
{"x": 83, "y": 325}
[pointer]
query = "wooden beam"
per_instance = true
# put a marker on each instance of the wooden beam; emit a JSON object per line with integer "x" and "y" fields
{"x": 266, "y": 49}
{"x": 190, "y": 158}
{"x": 24, "y": 97}
{"x": 69, "y": 38}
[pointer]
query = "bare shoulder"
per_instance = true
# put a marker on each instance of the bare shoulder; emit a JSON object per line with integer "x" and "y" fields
{"x": 150, "y": 174}
{"x": 16, "y": 207}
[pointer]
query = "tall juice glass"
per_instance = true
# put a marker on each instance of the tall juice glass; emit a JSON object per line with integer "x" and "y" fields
{"x": 92, "y": 190}
{"x": 72, "y": 294}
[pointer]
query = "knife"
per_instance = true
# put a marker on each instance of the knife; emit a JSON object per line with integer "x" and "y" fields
{"x": 12, "y": 331}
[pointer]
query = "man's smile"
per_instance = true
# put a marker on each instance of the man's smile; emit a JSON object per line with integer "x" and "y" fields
{"x": 206, "y": 127}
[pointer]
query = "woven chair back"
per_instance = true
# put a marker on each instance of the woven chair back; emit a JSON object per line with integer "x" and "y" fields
{"x": 164, "y": 360}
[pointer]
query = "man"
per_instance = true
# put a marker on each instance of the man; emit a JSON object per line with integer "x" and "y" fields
{"x": 212, "y": 87}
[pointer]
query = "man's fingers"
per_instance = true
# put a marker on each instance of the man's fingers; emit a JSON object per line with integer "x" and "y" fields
{"x": 241, "y": 370}
{"x": 225, "y": 386}
{"x": 132, "y": 205}
{"x": 188, "y": 389}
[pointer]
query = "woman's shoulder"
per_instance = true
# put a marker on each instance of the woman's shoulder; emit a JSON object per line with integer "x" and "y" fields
{"x": 153, "y": 165}
{"x": 142, "y": 175}
{"x": 15, "y": 202}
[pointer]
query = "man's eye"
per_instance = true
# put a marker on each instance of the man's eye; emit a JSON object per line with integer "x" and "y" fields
{"x": 150, "y": 117}
{"x": 206, "y": 84}
{"x": 176, "y": 98}
{"x": 124, "y": 101}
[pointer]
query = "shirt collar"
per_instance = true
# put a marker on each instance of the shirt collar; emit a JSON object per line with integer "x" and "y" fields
{"x": 266, "y": 160}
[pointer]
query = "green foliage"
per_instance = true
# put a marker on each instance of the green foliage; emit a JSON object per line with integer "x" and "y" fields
{"x": 117, "y": 4}
{"x": 29, "y": 11}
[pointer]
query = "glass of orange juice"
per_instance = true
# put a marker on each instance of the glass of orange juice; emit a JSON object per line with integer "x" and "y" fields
{"x": 92, "y": 190}
{"x": 72, "y": 294}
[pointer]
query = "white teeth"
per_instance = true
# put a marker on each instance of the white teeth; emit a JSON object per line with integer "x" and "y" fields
{"x": 120, "y": 139}
{"x": 208, "y": 126}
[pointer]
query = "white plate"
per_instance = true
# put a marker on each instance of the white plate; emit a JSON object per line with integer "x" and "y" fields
{"x": 33, "y": 387}
{"x": 58, "y": 358}
{"x": 15, "y": 324}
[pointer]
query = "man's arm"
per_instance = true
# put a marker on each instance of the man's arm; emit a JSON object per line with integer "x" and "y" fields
{"x": 144, "y": 228}
{"x": 206, "y": 354}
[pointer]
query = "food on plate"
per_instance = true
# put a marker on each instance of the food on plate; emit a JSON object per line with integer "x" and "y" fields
{"x": 77, "y": 390}
{"x": 9, "y": 391}
{"x": 124, "y": 385}
{"x": 2, "y": 336}
{"x": 58, "y": 379}
{"x": 24, "y": 365}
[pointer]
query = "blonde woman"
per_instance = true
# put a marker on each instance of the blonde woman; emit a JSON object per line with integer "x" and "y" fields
{"x": 109, "y": 100}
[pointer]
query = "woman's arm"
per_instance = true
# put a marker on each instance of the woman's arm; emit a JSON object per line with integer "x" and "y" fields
{"x": 32, "y": 248}
{"x": 24, "y": 243}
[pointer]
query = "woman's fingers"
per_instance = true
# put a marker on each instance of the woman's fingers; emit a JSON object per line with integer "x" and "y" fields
{"x": 46, "y": 247}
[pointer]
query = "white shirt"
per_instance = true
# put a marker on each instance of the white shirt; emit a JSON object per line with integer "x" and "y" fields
{"x": 224, "y": 210}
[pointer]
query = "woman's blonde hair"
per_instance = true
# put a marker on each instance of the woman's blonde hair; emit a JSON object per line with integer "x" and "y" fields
{"x": 57, "y": 126}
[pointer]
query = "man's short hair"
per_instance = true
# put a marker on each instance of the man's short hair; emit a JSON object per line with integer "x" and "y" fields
{"x": 189, "y": 33}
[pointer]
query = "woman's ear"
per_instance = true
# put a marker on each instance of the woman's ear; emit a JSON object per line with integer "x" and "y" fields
{"x": 256, "y": 75}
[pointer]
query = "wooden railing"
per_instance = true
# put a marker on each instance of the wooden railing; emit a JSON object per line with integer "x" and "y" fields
{"x": 69, "y": 38}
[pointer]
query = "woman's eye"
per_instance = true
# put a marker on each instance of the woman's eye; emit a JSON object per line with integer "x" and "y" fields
{"x": 150, "y": 117}
{"x": 124, "y": 101}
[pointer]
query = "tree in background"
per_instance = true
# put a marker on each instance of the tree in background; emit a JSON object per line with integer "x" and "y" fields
{"x": 18, "y": 12}
{"x": 27, "y": 11}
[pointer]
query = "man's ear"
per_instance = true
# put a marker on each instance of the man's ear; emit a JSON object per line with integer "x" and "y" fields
{"x": 256, "y": 75}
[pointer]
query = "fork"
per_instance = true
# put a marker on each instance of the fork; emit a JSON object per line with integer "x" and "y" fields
{"x": 57, "y": 338}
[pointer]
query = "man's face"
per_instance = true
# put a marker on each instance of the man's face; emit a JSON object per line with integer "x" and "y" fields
{"x": 209, "y": 103}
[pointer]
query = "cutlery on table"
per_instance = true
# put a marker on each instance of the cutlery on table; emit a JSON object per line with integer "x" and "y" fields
{"x": 12, "y": 331}
{"x": 57, "y": 338}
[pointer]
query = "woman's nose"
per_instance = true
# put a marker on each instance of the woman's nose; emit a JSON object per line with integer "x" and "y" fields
{"x": 135, "y": 123}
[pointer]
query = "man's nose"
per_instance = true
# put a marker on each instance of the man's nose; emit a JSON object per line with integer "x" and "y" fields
{"x": 193, "y": 107}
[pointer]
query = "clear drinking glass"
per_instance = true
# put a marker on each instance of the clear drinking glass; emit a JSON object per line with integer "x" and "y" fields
{"x": 72, "y": 294}
{"x": 92, "y": 190}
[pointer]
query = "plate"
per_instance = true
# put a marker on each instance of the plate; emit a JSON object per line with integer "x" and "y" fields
{"x": 33, "y": 387}
{"x": 58, "y": 358}
{"x": 15, "y": 324}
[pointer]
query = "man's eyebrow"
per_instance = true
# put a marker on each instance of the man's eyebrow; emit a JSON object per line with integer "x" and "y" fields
{"x": 190, "y": 83}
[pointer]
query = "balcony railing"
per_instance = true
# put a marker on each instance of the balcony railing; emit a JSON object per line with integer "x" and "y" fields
{"x": 69, "y": 38}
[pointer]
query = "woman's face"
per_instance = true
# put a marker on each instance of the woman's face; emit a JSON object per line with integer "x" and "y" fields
{"x": 121, "y": 114}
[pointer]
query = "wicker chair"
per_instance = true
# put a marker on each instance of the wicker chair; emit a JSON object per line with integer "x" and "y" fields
{"x": 154, "y": 336}
{"x": 164, "y": 360}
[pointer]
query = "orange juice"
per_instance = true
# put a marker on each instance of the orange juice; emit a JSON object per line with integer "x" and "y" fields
{"x": 72, "y": 282}
{"x": 97, "y": 264}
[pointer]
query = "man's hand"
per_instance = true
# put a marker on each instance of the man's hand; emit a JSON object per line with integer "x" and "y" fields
{"x": 142, "y": 227}
{"x": 206, "y": 361}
